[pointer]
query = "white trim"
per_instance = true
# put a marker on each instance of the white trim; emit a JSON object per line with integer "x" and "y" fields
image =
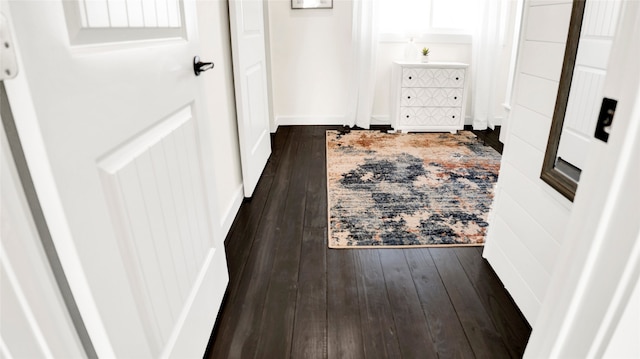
{"x": 273, "y": 126}
{"x": 468, "y": 120}
{"x": 232, "y": 210}
{"x": 515, "y": 48}
{"x": 309, "y": 120}
{"x": 24, "y": 304}
{"x": 381, "y": 120}
{"x": 496, "y": 121}
{"x": 505, "y": 122}
{"x": 493, "y": 122}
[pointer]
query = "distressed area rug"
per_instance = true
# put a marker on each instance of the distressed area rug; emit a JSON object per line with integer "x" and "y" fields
{"x": 419, "y": 189}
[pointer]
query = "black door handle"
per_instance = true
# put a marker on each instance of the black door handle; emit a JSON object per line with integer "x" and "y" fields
{"x": 199, "y": 66}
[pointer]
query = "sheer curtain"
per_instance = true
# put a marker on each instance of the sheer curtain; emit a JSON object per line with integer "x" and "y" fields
{"x": 364, "y": 33}
{"x": 485, "y": 61}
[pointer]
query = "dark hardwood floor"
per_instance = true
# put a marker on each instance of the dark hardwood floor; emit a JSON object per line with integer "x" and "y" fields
{"x": 289, "y": 296}
{"x": 489, "y": 137}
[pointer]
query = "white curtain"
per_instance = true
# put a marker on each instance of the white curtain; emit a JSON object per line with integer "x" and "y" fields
{"x": 487, "y": 46}
{"x": 364, "y": 35}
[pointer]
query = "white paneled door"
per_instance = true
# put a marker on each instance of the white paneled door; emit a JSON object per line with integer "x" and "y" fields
{"x": 111, "y": 119}
{"x": 250, "y": 80}
{"x": 585, "y": 98}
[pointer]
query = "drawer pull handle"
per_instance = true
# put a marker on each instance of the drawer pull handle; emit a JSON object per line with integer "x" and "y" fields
{"x": 454, "y": 116}
{"x": 409, "y": 97}
{"x": 407, "y": 116}
{"x": 455, "y": 97}
{"x": 410, "y": 77}
{"x": 457, "y": 78}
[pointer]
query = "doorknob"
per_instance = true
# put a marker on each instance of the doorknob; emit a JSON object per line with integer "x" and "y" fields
{"x": 199, "y": 66}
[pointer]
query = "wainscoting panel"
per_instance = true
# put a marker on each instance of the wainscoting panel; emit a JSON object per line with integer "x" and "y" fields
{"x": 524, "y": 190}
{"x": 510, "y": 275}
{"x": 524, "y": 157}
{"x": 532, "y": 127}
{"x": 548, "y": 22}
{"x": 529, "y": 218}
{"x": 537, "y": 94}
{"x": 529, "y": 269}
{"x": 539, "y": 257}
{"x": 542, "y": 59}
{"x": 154, "y": 184}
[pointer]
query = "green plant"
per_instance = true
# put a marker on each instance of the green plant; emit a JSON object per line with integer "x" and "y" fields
{"x": 425, "y": 51}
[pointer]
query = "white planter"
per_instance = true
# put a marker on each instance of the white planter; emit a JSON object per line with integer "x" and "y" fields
{"x": 424, "y": 59}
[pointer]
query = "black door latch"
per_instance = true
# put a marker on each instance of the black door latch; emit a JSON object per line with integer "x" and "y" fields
{"x": 603, "y": 127}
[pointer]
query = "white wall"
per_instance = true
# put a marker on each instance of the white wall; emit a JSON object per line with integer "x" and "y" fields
{"x": 529, "y": 218}
{"x": 310, "y": 59}
{"x": 392, "y": 51}
{"x": 310, "y": 63}
{"x": 213, "y": 21}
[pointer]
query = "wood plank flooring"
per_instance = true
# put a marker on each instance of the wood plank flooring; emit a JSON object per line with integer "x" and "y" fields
{"x": 289, "y": 296}
{"x": 489, "y": 137}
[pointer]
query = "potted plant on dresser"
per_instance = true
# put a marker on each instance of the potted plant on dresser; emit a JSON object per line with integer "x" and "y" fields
{"x": 425, "y": 54}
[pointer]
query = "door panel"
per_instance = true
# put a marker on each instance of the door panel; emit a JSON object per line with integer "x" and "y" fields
{"x": 137, "y": 179}
{"x": 250, "y": 75}
{"x": 128, "y": 148}
{"x": 585, "y": 97}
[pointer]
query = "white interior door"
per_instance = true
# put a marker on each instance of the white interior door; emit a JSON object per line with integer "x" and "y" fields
{"x": 599, "y": 260}
{"x": 34, "y": 322}
{"x": 250, "y": 78}
{"x": 111, "y": 118}
{"x": 585, "y": 98}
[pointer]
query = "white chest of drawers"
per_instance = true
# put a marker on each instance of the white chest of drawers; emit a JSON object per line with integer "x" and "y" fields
{"x": 428, "y": 97}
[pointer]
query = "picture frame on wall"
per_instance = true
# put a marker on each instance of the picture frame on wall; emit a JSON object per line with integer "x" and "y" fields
{"x": 312, "y": 4}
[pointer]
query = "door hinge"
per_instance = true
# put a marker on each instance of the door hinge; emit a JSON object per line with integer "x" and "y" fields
{"x": 8, "y": 63}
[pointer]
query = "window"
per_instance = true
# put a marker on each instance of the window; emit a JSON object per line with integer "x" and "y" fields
{"x": 418, "y": 17}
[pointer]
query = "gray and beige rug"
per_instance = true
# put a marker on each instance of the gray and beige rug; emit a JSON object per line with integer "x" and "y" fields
{"x": 419, "y": 189}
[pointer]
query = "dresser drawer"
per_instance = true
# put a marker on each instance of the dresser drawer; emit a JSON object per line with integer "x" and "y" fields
{"x": 417, "y": 77}
{"x": 430, "y": 116}
{"x": 432, "y": 97}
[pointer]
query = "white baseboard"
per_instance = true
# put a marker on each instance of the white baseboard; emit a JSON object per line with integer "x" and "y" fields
{"x": 381, "y": 120}
{"x": 468, "y": 120}
{"x": 496, "y": 121}
{"x": 230, "y": 214}
{"x": 309, "y": 120}
{"x": 491, "y": 123}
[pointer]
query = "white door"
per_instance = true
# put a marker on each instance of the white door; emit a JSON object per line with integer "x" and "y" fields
{"x": 34, "y": 322}
{"x": 250, "y": 78}
{"x": 585, "y": 97}
{"x": 111, "y": 118}
{"x": 599, "y": 260}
